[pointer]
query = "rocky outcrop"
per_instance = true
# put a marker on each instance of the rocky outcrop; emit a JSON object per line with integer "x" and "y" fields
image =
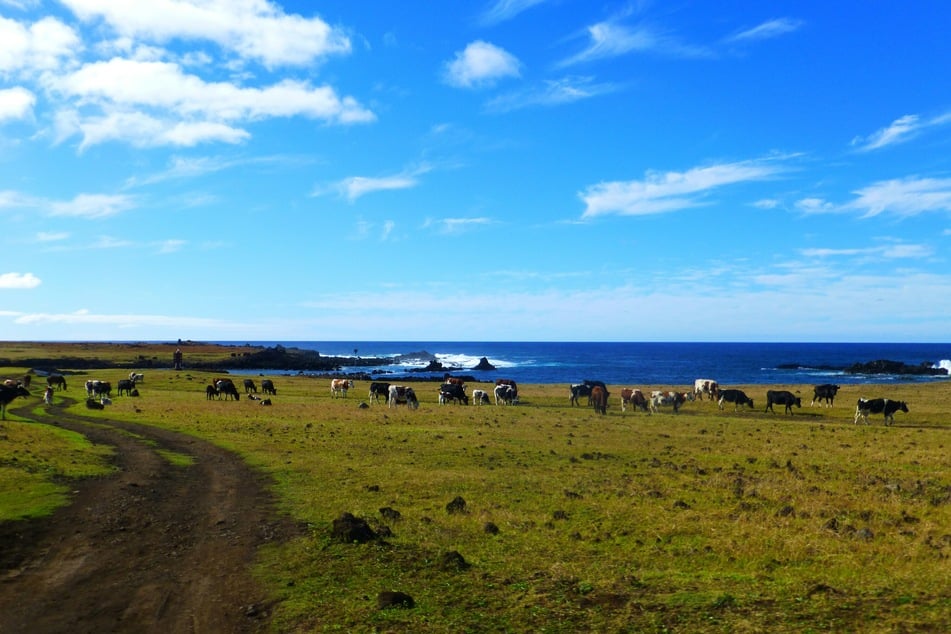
{"x": 484, "y": 365}
{"x": 883, "y": 366}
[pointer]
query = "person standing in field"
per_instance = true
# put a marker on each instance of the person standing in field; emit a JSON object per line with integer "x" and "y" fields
{"x": 177, "y": 358}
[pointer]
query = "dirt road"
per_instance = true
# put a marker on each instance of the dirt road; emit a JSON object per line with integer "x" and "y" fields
{"x": 154, "y": 547}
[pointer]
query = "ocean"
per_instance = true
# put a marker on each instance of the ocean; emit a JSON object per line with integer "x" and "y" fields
{"x": 636, "y": 364}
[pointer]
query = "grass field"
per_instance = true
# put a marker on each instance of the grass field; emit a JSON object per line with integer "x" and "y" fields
{"x": 705, "y": 520}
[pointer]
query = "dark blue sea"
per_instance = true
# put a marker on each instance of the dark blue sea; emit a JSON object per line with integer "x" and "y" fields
{"x": 639, "y": 363}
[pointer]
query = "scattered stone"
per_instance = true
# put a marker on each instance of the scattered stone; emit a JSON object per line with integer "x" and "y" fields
{"x": 832, "y": 525}
{"x": 786, "y": 511}
{"x": 491, "y": 528}
{"x": 560, "y": 515}
{"x": 458, "y": 505}
{"x": 390, "y": 599}
{"x": 864, "y": 533}
{"x": 680, "y": 504}
{"x": 390, "y": 514}
{"x": 454, "y": 561}
{"x": 350, "y": 529}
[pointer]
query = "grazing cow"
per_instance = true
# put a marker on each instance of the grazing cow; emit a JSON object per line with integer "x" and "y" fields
{"x": 737, "y": 397}
{"x": 267, "y": 386}
{"x": 454, "y": 380}
{"x": 480, "y": 397}
{"x": 663, "y": 398}
{"x": 635, "y": 398}
{"x": 576, "y": 391}
{"x": 505, "y": 395}
{"x": 10, "y": 392}
{"x": 136, "y": 377}
{"x": 102, "y": 388}
{"x": 402, "y": 395}
{"x": 706, "y": 386}
{"x": 56, "y": 380}
{"x": 91, "y": 385}
{"x": 92, "y": 404}
{"x": 250, "y": 387}
{"x": 510, "y": 382}
{"x": 226, "y": 387}
{"x": 125, "y": 385}
{"x": 453, "y": 392}
{"x": 378, "y": 389}
{"x": 884, "y": 406}
{"x": 599, "y": 399}
{"x": 340, "y": 386}
{"x": 781, "y": 397}
{"x": 211, "y": 393}
{"x": 825, "y": 392}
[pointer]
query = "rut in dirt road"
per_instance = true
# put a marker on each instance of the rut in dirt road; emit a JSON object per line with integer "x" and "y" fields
{"x": 154, "y": 547}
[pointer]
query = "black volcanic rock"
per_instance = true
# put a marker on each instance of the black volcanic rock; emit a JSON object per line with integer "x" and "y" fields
{"x": 883, "y": 366}
{"x": 484, "y": 365}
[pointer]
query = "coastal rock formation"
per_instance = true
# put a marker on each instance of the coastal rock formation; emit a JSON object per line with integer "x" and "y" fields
{"x": 484, "y": 365}
{"x": 883, "y": 366}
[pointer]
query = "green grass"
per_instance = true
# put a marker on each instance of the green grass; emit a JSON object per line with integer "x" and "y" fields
{"x": 700, "y": 521}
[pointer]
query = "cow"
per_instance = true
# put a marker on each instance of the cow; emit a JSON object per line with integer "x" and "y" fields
{"x": 635, "y": 398}
{"x": 136, "y": 377}
{"x": 93, "y": 404}
{"x": 505, "y": 395}
{"x": 102, "y": 388}
{"x": 825, "y": 392}
{"x": 781, "y": 397}
{"x": 663, "y": 398}
{"x": 211, "y": 393}
{"x": 884, "y": 406}
{"x": 454, "y": 380}
{"x": 378, "y": 389}
{"x": 267, "y": 386}
{"x": 453, "y": 392}
{"x": 599, "y": 399}
{"x": 227, "y": 388}
{"x": 56, "y": 380}
{"x": 91, "y": 385}
{"x": 480, "y": 397}
{"x": 250, "y": 387}
{"x": 737, "y": 397}
{"x": 125, "y": 385}
{"x": 10, "y": 392}
{"x": 706, "y": 386}
{"x": 48, "y": 395}
{"x": 576, "y": 391}
{"x": 402, "y": 395}
{"x": 340, "y": 386}
{"x": 510, "y": 382}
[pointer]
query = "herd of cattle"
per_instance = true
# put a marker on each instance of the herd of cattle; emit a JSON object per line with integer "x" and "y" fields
{"x": 505, "y": 392}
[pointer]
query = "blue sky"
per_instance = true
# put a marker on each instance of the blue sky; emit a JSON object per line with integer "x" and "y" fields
{"x": 485, "y": 170}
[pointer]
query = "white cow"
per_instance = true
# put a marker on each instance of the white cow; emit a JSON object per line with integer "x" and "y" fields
{"x": 708, "y": 387}
{"x": 402, "y": 395}
{"x": 504, "y": 395}
{"x": 340, "y": 386}
{"x": 480, "y": 397}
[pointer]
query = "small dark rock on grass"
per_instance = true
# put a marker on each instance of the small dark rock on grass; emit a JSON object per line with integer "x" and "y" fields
{"x": 390, "y": 599}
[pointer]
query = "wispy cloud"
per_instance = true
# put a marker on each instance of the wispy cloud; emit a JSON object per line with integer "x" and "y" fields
{"x": 900, "y": 130}
{"x": 551, "y": 93}
{"x": 480, "y": 64}
{"x": 661, "y": 192}
{"x": 18, "y": 280}
{"x": 902, "y": 197}
{"x": 456, "y": 225}
{"x": 502, "y": 10}
{"x": 85, "y": 316}
{"x": 354, "y": 187}
{"x": 887, "y": 251}
{"x": 767, "y": 30}
{"x": 93, "y": 206}
{"x": 611, "y": 38}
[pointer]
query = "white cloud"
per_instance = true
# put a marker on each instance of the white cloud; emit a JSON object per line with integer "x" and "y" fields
{"x": 551, "y": 93}
{"x": 93, "y": 206}
{"x": 889, "y": 251}
{"x": 900, "y": 130}
{"x": 170, "y": 246}
{"x": 16, "y": 103}
{"x": 502, "y": 10}
{"x": 45, "y": 45}
{"x": 457, "y": 225}
{"x": 480, "y": 64}
{"x": 46, "y": 236}
{"x": 18, "y": 280}
{"x": 253, "y": 29}
{"x": 355, "y": 187}
{"x": 86, "y": 317}
{"x": 904, "y": 197}
{"x": 767, "y": 30}
{"x": 610, "y": 39}
{"x": 141, "y": 130}
{"x": 661, "y": 192}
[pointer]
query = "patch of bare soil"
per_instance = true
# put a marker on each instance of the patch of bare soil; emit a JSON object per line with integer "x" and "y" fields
{"x": 154, "y": 547}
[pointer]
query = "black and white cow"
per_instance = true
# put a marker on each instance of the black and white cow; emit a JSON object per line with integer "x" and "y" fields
{"x": 453, "y": 392}
{"x": 378, "y": 389}
{"x": 781, "y": 397}
{"x": 480, "y": 397}
{"x": 706, "y": 386}
{"x": 825, "y": 392}
{"x": 402, "y": 395}
{"x": 661, "y": 398}
{"x": 737, "y": 397}
{"x": 226, "y": 387}
{"x": 636, "y": 398}
{"x": 505, "y": 395}
{"x": 8, "y": 393}
{"x": 884, "y": 406}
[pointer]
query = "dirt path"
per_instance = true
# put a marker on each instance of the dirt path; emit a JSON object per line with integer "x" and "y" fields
{"x": 153, "y": 548}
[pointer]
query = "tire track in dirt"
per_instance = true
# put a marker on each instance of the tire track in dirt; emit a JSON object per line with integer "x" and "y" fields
{"x": 154, "y": 547}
